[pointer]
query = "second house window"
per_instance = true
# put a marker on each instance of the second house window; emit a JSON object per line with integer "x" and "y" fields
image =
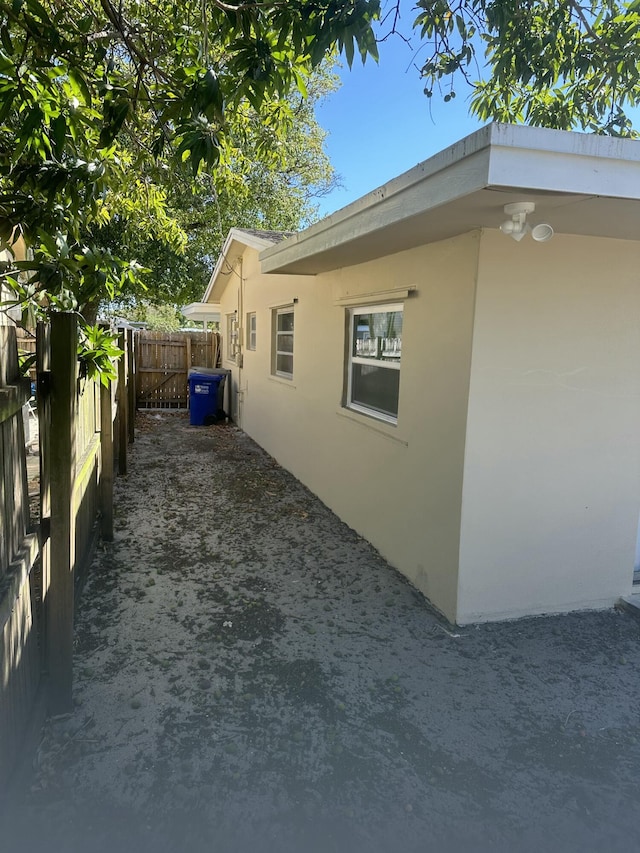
{"x": 282, "y": 363}
{"x": 232, "y": 336}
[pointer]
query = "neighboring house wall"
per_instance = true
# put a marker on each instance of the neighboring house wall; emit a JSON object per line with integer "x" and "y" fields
{"x": 399, "y": 486}
{"x": 551, "y": 484}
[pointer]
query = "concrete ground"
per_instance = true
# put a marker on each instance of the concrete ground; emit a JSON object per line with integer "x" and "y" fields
{"x": 250, "y": 675}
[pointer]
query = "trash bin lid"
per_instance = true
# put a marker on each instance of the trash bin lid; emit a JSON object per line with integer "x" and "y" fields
{"x": 210, "y": 371}
{"x": 212, "y": 378}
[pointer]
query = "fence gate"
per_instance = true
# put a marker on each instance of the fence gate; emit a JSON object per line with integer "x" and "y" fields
{"x": 162, "y": 362}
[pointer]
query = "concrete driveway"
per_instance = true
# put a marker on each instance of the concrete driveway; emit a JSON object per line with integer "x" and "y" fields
{"x": 252, "y": 676}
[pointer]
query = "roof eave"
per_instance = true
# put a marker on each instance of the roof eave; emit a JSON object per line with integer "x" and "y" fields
{"x": 507, "y": 158}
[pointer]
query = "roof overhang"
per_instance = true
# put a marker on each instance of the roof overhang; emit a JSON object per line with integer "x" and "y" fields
{"x": 204, "y": 312}
{"x": 236, "y": 242}
{"x": 580, "y": 183}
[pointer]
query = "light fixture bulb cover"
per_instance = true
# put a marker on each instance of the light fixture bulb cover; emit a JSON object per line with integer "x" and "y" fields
{"x": 542, "y": 232}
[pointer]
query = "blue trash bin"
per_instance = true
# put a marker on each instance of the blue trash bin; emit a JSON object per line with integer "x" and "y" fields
{"x": 225, "y": 373}
{"x": 203, "y": 398}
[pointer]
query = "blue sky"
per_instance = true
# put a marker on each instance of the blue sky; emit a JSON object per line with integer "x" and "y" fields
{"x": 380, "y": 123}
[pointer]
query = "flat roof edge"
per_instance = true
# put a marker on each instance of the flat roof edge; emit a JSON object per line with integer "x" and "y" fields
{"x": 511, "y": 149}
{"x": 474, "y": 142}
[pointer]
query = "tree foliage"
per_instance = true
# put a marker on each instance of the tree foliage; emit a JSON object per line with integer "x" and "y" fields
{"x": 552, "y": 63}
{"x": 100, "y": 102}
{"x": 94, "y": 93}
{"x": 265, "y": 181}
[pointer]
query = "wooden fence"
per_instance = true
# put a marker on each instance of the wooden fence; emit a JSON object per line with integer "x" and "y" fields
{"x": 162, "y": 363}
{"x": 40, "y": 567}
{"x": 20, "y": 662}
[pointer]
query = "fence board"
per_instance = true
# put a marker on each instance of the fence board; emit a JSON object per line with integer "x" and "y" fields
{"x": 19, "y": 653}
{"x": 43, "y": 368}
{"x": 122, "y": 398}
{"x": 106, "y": 461}
{"x": 88, "y": 458}
{"x": 131, "y": 386}
{"x": 162, "y": 365}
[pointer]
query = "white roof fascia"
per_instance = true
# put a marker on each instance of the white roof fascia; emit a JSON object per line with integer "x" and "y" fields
{"x": 497, "y": 156}
{"x": 236, "y": 235}
{"x": 540, "y": 159}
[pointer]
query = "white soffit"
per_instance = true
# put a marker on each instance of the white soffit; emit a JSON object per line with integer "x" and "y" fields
{"x": 204, "y": 311}
{"x": 580, "y": 183}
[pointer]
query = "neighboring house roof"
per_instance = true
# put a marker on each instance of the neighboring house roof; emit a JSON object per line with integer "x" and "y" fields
{"x": 273, "y": 236}
{"x": 580, "y": 183}
{"x": 237, "y": 240}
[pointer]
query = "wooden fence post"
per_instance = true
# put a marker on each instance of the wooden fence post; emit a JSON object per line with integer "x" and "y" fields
{"x": 64, "y": 343}
{"x": 131, "y": 387}
{"x": 43, "y": 400}
{"x": 106, "y": 466}
{"x": 122, "y": 399}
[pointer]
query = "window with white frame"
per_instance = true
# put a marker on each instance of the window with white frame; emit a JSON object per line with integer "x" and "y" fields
{"x": 232, "y": 336}
{"x": 375, "y": 353}
{"x": 251, "y": 331}
{"x": 282, "y": 357}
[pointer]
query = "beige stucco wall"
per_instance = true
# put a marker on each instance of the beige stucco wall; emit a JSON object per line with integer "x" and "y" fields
{"x": 551, "y": 480}
{"x": 399, "y": 486}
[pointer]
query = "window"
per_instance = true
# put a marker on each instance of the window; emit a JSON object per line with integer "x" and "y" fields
{"x": 251, "y": 331}
{"x": 232, "y": 336}
{"x": 282, "y": 362}
{"x": 375, "y": 352}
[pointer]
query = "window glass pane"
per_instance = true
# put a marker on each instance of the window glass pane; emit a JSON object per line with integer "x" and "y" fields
{"x": 285, "y": 342}
{"x": 284, "y": 363}
{"x": 378, "y": 335}
{"x": 375, "y": 387}
{"x": 285, "y": 322}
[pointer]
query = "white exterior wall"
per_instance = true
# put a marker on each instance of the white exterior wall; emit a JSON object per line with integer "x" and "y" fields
{"x": 551, "y": 479}
{"x": 399, "y": 486}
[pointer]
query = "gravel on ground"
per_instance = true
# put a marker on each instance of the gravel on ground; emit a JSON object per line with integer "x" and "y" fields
{"x": 251, "y": 675}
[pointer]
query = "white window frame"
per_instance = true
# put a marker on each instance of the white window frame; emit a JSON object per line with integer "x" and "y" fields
{"x": 232, "y": 336}
{"x": 277, "y": 312}
{"x": 251, "y": 330}
{"x": 381, "y": 308}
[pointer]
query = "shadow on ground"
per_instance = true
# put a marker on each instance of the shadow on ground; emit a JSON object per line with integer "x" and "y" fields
{"x": 251, "y": 675}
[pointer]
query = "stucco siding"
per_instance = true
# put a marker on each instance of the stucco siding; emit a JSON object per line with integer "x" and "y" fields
{"x": 551, "y": 478}
{"x": 399, "y": 486}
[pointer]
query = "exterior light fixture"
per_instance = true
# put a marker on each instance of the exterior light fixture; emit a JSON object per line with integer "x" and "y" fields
{"x": 517, "y": 226}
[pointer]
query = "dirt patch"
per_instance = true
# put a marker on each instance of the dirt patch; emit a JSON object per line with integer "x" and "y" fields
{"x": 251, "y": 675}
